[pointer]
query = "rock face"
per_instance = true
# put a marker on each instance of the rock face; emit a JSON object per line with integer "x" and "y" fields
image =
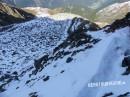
{"x": 10, "y": 15}
{"x": 113, "y": 12}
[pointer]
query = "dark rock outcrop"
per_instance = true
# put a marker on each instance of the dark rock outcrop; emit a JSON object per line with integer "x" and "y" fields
{"x": 108, "y": 94}
{"x": 127, "y": 94}
{"x": 10, "y": 15}
{"x": 126, "y": 64}
{"x": 118, "y": 24}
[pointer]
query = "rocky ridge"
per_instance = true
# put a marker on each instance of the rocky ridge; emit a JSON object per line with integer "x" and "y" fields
{"x": 10, "y": 15}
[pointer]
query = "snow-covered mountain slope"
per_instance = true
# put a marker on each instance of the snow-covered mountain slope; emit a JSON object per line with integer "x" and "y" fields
{"x": 49, "y": 58}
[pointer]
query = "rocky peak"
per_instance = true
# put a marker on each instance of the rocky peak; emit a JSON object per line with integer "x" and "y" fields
{"x": 10, "y": 14}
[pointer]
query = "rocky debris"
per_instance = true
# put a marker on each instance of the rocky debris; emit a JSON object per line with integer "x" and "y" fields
{"x": 113, "y": 12}
{"x": 46, "y": 78}
{"x": 108, "y": 94}
{"x": 37, "y": 35}
{"x": 33, "y": 94}
{"x": 10, "y": 15}
{"x": 127, "y": 94}
{"x": 62, "y": 71}
{"x": 6, "y": 79}
{"x": 69, "y": 60}
{"x": 126, "y": 64}
{"x": 77, "y": 38}
{"x": 39, "y": 63}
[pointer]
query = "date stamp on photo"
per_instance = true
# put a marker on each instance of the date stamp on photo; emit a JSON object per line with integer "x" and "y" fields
{"x": 106, "y": 84}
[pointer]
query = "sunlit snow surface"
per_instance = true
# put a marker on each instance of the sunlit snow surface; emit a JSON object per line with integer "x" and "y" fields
{"x": 21, "y": 44}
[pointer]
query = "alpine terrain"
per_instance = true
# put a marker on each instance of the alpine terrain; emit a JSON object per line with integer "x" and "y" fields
{"x": 68, "y": 57}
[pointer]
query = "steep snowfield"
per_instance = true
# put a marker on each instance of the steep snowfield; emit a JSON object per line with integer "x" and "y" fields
{"x": 108, "y": 57}
{"x": 48, "y": 58}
